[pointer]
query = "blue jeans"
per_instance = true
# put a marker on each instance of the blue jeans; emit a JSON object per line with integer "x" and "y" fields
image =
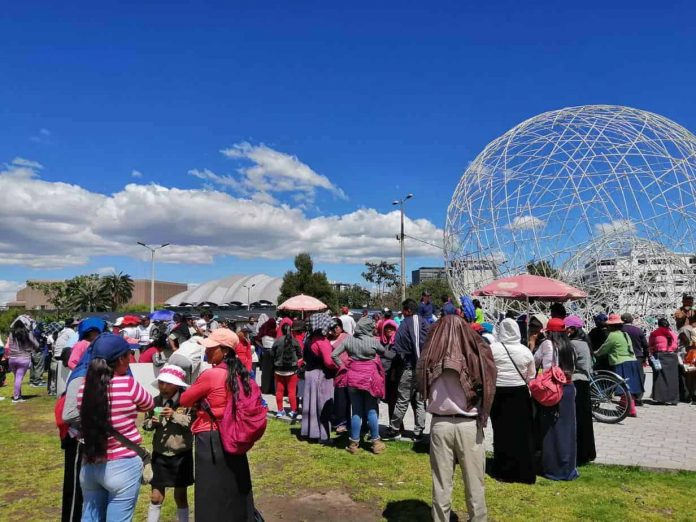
{"x": 363, "y": 404}
{"x": 110, "y": 490}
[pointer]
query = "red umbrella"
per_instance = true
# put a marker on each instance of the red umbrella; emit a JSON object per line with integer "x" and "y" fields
{"x": 303, "y": 303}
{"x": 131, "y": 320}
{"x": 525, "y": 287}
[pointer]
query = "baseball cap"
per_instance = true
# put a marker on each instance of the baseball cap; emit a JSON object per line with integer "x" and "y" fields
{"x": 221, "y": 337}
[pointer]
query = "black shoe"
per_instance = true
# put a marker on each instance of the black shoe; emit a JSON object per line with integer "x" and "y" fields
{"x": 391, "y": 434}
{"x": 418, "y": 438}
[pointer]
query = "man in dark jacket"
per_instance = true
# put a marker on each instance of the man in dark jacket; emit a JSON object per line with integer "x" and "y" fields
{"x": 640, "y": 347}
{"x": 409, "y": 340}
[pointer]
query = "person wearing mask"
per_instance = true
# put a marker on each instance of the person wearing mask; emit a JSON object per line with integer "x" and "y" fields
{"x": 286, "y": 353}
{"x": 109, "y": 401}
{"x": 619, "y": 350}
{"x": 20, "y": 347}
{"x": 341, "y": 412}
{"x": 223, "y": 489}
{"x": 87, "y": 330}
{"x": 557, "y": 425}
{"x": 317, "y": 403}
{"x": 408, "y": 343}
{"x": 457, "y": 374}
{"x": 663, "y": 345}
{"x": 426, "y": 310}
{"x": 586, "y": 451}
{"x": 511, "y": 413}
{"x": 639, "y": 343}
{"x": 364, "y": 380}
{"x": 347, "y": 320}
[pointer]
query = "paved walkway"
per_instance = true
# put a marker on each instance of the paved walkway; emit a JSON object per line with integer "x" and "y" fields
{"x": 657, "y": 438}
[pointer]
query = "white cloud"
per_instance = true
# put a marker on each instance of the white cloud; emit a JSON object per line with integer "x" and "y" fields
{"x": 271, "y": 172}
{"x": 8, "y": 290}
{"x": 53, "y": 224}
{"x": 136, "y": 174}
{"x": 105, "y": 270}
{"x": 527, "y": 222}
{"x": 21, "y": 162}
{"x": 619, "y": 226}
{"x": 42, "y": 136}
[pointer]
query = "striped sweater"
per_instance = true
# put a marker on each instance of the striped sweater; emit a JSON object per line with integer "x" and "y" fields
{"x": 126, "y": 398}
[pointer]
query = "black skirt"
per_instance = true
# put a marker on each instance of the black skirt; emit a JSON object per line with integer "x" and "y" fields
{"x": 513, "y": 435}
{"x": 558, "y": 437}
{"x": 267, "y": 372}
{"x": 583, "y": 417}
{"x": 223, "y": 482}
{"x": 666, "y": 380}
{"x": 172, "y": 472}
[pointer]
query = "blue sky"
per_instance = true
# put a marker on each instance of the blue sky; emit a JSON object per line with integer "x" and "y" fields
{"x": 378, "y": 101}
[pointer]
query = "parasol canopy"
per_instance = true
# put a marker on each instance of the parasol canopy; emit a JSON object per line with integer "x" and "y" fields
{"x": 303, "y": 303}
{"x": 527, "y": 287}
{"x": 162, "y": 315}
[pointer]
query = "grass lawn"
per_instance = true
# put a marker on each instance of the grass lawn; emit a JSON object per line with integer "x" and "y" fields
{"x": 296, "y": 479}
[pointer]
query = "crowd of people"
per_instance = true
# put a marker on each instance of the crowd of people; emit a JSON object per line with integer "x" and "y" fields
{"x": 335, "y": 370}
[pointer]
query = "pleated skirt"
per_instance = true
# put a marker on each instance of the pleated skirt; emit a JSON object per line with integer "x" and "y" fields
{"x": 666, "y": 380}
{"x": 317, "y": 406}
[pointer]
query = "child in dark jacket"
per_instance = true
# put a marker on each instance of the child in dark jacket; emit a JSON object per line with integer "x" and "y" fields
{"x": 172, "y": 455}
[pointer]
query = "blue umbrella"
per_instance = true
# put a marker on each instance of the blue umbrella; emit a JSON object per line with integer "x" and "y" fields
{"x": 162, "y": 315}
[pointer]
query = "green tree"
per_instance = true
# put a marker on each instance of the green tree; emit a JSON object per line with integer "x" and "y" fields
{"x": 438, "y": 288}
{"x": 354, "y": 297}
{"x": 542, "y": 268}
{"x": 86, "y": 293}
{"x": 118, "y": 288}
{"x": 382, "y": 274}
{"x": 304, "y": 280}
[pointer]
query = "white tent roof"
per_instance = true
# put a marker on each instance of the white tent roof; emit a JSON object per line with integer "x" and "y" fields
{"x": 221, "y": 291}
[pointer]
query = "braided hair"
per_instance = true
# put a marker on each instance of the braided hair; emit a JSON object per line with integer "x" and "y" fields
{"x": 236, "y": 372}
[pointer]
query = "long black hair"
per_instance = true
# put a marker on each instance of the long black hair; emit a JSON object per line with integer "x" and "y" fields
{"x": 287, "y": 335}
{"x": 236, "y": 372}
{"x": 95, "y": 412}
{"x": 564, "y": 349}
{"x": 20, "y": 334}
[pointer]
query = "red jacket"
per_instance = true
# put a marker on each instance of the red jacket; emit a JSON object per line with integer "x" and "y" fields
{"x": 243, "y": 351}
{"x": 211, "y": 385}
{"x": 363, "y": 375}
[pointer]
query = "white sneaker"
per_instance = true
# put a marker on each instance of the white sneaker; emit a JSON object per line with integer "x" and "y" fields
{"x": 19, "y": 399}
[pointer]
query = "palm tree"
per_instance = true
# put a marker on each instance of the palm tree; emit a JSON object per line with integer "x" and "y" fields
{"x": 87, "y": 294}
{"x": 118, "y": 288}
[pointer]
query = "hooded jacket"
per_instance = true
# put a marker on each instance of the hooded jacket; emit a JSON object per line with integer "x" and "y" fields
{"x": 511, "y": 357}
{"x": 363, "y": 369}
{"x": 466, "y": 353}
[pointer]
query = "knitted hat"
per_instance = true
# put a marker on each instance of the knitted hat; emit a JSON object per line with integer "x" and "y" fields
{"x": 555, "y": 324}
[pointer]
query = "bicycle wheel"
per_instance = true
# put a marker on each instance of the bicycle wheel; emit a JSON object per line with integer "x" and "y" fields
{"x": 610, "y": 398}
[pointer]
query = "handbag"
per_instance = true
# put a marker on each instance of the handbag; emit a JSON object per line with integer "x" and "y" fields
{"x": 547, "y": 388}
{"x": 137, "y": 448}
{"x": 655, "y": 363}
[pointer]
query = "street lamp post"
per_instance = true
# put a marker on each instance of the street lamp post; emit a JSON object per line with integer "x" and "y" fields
{"x": 152, "y": 271}
{"x": 248, "y": 288}
{"x": 400, "y": 237}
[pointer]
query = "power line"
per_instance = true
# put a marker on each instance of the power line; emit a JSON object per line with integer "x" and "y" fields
{"x": 423, "y": 241}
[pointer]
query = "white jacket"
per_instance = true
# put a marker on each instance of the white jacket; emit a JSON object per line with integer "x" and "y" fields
{"x": 508, "y": 333}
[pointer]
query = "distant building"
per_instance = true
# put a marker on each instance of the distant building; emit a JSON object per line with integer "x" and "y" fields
{"x": 33, "y": 299}
{"x": 428, "y": 273}
{"x": 235, "y": 290}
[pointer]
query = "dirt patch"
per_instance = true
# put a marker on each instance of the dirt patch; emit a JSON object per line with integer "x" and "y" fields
{"x": 33, "y": 420}
{"x": 18, "y": 494}
{"x": 330, "y": 505}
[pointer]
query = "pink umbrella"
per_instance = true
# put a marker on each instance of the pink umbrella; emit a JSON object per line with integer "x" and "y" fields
{"x": 526, "y": 287}
{"x": 303, "y": 303}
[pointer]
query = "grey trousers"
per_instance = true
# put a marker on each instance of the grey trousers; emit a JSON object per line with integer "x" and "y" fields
{"x": 37, "y": 368}
{"x": 407, "y": 393}
{"x": 457, "y": 440}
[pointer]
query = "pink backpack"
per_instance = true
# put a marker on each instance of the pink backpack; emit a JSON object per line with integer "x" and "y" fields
{"x": 244, "y": 420}
{"x": 547, "y": 388}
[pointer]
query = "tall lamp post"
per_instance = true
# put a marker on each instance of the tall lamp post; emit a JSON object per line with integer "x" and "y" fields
{"x": 248, "y": 288}
{"x": 400, "y": 237}
{"x": 152, "y": 271}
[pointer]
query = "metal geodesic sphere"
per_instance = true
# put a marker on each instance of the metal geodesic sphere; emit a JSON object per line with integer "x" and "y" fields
{"x": 575, "y": 187}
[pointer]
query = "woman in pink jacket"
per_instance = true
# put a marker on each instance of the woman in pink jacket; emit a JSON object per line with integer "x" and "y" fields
{"x": 663, "y": 344}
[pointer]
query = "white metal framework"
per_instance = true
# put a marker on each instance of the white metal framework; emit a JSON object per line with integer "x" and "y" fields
{"x": 577, "y": 188}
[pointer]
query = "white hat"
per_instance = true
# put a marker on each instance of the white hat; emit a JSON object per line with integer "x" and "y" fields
{"x": 173, "y": 375}
{"x": 200, "y": 323}
{"x": 119, "y": 321}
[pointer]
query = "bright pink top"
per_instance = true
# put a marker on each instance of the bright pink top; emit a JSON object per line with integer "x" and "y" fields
{"x": 243, "y": 351}
{"x": 126, "y": 398}
{"x": 211, "y": 385}
{"x": 146, "y": 356}
{"x": 77, "y": 352}
{"x": 322, "y": 347}
{"x": 658, "y": 341}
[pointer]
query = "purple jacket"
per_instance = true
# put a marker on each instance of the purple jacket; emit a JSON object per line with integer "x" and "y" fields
{"x": 363, "y": 375}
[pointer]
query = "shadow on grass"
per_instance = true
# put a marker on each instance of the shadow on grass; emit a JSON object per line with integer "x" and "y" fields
{"x": 411, "y": 510}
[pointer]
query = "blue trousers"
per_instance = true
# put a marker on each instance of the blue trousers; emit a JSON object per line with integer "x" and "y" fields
{"x": 110, "y": 490}
{"x": 364, "y": 405}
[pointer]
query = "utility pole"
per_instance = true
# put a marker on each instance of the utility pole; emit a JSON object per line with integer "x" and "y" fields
{"x": 400, "y": 237}
{"x": 248, "y": 288}
{"x": 152, "y": 271}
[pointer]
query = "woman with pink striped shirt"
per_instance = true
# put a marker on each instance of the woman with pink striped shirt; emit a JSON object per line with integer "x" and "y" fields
{"x": 110, "y": 400}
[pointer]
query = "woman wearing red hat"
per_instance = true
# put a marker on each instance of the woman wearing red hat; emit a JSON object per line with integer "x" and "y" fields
{"x": 557, "y": 427}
